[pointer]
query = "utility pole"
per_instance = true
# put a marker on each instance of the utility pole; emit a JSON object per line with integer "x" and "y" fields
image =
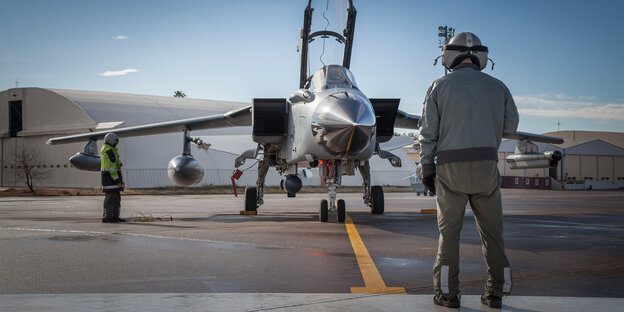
{"x": 447, "y": 33}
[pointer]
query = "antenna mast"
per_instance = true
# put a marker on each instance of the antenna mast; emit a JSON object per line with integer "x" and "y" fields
{"x": 447, "y": 33}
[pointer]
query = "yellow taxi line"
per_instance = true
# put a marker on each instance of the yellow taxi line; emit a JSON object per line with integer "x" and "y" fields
{"x": 372, "y": 279}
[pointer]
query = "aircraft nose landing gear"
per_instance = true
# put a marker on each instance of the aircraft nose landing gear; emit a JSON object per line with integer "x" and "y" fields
{"x": 337, "y": 207}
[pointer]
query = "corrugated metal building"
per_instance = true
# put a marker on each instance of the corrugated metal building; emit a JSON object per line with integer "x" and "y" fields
{"x": 32, "y": 115}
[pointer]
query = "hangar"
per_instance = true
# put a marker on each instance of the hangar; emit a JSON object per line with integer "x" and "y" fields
{"x": 33, "y": 115}
{"x": 593, "y": 160}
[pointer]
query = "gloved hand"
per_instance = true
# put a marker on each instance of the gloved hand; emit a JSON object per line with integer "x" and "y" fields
{"x": 428, "y": 180}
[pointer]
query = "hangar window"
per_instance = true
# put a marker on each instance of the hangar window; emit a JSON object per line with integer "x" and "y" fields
{"x": 536, "y": 182}
{"x": 516, "y": 181}
{"x": 15, "y": 118}
{"x": 527, "y": 182}
{"x": 64, "y": 166}
{"x": 547, "y": 182}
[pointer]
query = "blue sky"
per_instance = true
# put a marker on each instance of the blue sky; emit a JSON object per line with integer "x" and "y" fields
{"x": 560, "y": 59}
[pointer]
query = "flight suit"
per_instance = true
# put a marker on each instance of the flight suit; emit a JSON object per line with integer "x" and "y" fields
{"x": 112, "y": 183}
{"x": 464, "y": 117}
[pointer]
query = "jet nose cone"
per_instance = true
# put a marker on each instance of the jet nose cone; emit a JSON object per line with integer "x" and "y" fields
{"x": 344, "y": 124}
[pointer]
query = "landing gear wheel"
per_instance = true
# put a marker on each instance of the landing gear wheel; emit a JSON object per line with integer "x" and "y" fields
{"x": 324, "y": 211}
{"x": 251, "y": 199}
{"x": 292, "y": 195}
{"x": 377, "y": 199}
{"x": 341, "y": 211}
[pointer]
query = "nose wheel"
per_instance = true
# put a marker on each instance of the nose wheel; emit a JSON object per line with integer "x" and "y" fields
{"x": 324, "y": 211}
{"x": 339, "y": 209}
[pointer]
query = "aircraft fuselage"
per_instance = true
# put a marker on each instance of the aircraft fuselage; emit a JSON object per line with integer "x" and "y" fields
{"x": 338, "y": 124}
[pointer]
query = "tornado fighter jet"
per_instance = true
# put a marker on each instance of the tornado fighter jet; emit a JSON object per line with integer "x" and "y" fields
{"x": 328, "y": 123}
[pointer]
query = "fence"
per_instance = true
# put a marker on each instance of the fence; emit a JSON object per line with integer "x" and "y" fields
{"x": 157, "y": 177}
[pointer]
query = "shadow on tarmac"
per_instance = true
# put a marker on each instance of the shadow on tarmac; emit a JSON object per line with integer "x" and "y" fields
{"x": 262, "y": 217}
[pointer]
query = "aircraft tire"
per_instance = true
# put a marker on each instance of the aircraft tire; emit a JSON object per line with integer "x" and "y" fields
{"x": 251, "y": 199}
{"x": 377, "y": 199}
{"x": 324, "y": 211}
{"x": 341, "y": 211}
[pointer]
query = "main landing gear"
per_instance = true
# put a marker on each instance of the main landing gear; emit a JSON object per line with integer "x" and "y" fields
{"x": 331, "y": 177}
{"x": 373, "y": 195}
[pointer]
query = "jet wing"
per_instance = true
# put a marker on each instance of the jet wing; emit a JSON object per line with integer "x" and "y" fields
{"x": 396, "y": 142}
{"x": 406, "y": 120}
{"x": 234, "y": 118}
{"x": 410, "y": 121}
{"x": 533, "y": 137}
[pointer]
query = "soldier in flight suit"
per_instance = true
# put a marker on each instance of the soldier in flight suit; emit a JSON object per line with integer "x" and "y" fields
{"x": 464, "y": 117}
{"x": 112, "y": 180}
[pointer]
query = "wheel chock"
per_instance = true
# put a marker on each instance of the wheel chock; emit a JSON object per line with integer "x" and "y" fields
{"x": 248, "y": 213}
{"x": 428, "y": 211}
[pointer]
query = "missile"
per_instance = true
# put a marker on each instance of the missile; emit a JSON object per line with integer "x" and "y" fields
{"x": 548, "y": 159}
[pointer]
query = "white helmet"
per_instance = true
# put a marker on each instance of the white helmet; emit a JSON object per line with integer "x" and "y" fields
{"x": 111, "y": 139}
{"x": 464, "y": 45}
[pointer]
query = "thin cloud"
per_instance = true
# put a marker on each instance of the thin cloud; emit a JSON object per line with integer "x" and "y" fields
{"x": 118, "y": 72}
{"x": 561, "y": 105}
{"x": 121, "y": 37}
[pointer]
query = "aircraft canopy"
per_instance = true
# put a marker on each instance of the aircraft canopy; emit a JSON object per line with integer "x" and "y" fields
{"x": 332, "y": 76}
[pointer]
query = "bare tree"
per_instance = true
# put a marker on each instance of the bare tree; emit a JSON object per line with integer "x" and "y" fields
{"x": 30, "y": 166}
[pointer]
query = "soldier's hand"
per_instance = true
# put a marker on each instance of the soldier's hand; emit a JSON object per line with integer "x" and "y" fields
{"x": 429, "y": 184}
{"x": 429, "y": 174}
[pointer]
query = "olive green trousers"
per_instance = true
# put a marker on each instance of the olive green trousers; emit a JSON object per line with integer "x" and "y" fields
{"x": 112, "y": 206}
{"x": 477, "y": 183}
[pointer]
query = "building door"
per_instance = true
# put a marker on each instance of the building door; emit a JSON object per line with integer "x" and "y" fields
{"x": 15, "y": 118}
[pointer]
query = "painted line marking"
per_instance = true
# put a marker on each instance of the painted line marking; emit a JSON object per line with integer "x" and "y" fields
{"x": 372, "y": 279}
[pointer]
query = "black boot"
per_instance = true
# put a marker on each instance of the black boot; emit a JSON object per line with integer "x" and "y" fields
{"x": 440, "y": 300}
{"x": 492, "y": 301}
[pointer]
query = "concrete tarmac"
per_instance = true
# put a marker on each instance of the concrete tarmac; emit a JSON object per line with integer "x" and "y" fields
{"x": 560, "y": 244}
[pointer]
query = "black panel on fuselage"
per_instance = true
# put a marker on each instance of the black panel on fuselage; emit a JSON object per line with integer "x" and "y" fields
{"x": 385, "y": 113}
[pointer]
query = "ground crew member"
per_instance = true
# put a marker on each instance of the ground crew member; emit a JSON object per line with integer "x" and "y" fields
{"x": 464, "y": 117}
{"x": 112, "y": 180}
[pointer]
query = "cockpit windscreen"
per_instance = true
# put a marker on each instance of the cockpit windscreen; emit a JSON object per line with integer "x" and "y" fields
{"x": 332, "y": 76}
